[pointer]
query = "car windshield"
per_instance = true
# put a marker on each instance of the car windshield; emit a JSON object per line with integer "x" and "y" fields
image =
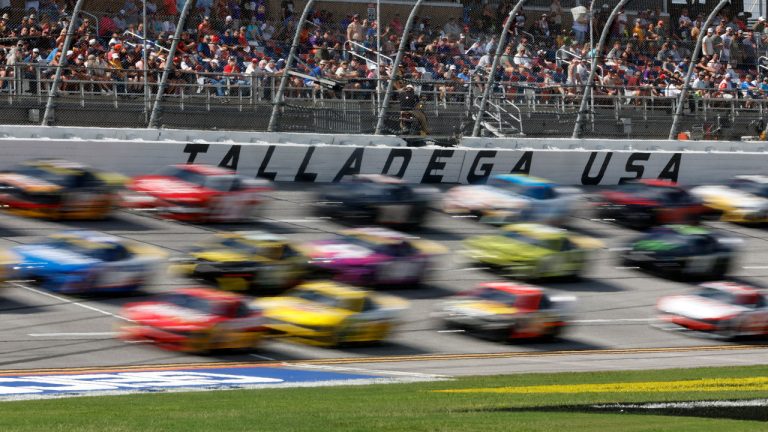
{"x": 642, "y": 190}
{"x": 242, "y": 246}
{"x": 100, "y": 251}
{"x": 221, "y": 183}
{"x": 184, "y": 175}
{"x": 318, "y": 297}
{"x": 495, "y": 295}
{"x": 759, "y": 189}
{"x": 540, "y": 191}
{"x": 718, "y": 295}
{"x": 190, "y": 302}
{"x": 58, "y": 178}
{"x": 533, "y": 241}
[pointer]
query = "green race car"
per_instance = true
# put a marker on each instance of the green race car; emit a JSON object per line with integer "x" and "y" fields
{"x": 532, "y": 251}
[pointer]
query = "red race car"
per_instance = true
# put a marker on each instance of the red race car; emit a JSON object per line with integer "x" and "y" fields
{"x": 198, "y": 193}
{"x": 721, "y": 309}
{"x": 195, "y": 320}
{"x": 645, "y": 203}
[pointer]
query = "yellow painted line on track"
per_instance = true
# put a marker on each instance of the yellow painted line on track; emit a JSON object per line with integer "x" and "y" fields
{"x": 703, "y": 385}
{"x": 391, "y": 359}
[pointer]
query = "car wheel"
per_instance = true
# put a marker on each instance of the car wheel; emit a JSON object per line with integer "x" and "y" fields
{"x": 721, "y": 267}
{"x": 729, "y": 330}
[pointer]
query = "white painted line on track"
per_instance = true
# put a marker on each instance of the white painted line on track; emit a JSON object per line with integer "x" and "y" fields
{"x": 298, "y": 220}
{"x": 612, "y": 320}
{"x": 451, "y": 331}
{"x": 626, "y": 268}
{"x": 66, "y": 300}
{"x": 755, "y": 267}
{"x": 110, "y": 334}
{"x": 364, "y": 370}
{"x": 262, "y": 357}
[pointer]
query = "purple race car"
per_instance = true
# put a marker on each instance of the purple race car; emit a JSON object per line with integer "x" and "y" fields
{"x": 373, "y": 256}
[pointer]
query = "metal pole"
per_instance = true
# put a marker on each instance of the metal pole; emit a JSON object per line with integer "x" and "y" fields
{"x": 595, "y": 58}
{"x": 378, "y": 54}
{"x": 494, "y": 66}
{"x": 169, "y": 63}
{"x": 277, "y": 100}
{"x": 591, "y": 26}
{"x": 144, "y": 58}
{"x": 47, "y": 117}
{"x": 395, "y": 66}
{"x": 691, "y": 66}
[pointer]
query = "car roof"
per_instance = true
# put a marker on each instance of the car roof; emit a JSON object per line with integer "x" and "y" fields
{"x": 209, "y": 294}
{"x": 61, "y": 165}
{"x": 334, "y": 289}
{"x": 731, "y": 287}
{"x": 523, "y": 179}
{"x": 753, "y": 178}
{"x": 535, "y": 230}
{"x": 208, "y": 170}
{"x": 87, "y": 236}
{"x": 376, "y": 234}
{"x": 685, "y": 230}
{"x": 378, "y": 178}
{"x": 514, "y": 288}
{"x": 657, "y": 183}
{"x": 254, "y": 236}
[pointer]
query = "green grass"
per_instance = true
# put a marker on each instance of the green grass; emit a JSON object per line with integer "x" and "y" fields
{"x": 393, "y": 407}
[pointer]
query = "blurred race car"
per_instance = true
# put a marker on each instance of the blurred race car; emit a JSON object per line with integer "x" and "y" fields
{"x": 743, "y": 200}
{"x": 723, "y": 309}
{"x": 240, "y": 261}
{"x": 645, "y": 203}
{"x": 194, "y": 320}
{"x": 59, "y": 189}
{"x": 88, "y": 262}
{"x": 681, "y": 251}
{"x": 508, "y": 198}
{"x": 372, "y": 256}
{"x": 198, "y": 193}
{"x": 506, "y": 311}
{"x": 376, "y": 199}
{"x": 329, "y": 314}
{"x": 532, "y": 251}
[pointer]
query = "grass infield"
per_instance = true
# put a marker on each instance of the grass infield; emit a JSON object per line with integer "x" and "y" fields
{"x": 596, "y": 401}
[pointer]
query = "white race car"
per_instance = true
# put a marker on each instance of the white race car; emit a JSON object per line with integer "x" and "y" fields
{"x": 722, "y": 309}
{"x": 743, "y": 200}
{"x": 508, "y": 198}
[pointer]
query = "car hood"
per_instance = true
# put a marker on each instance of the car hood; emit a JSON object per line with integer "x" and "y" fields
{"x": 170, "y": 188}
{"x": 27, "y": 183}
{"x": 697, "y": 307}
{"x": 478, "y": 307}
{"x": 48, "y": 257}
{"x": 166, "y": 315}
{"x": 507, "y": 247}
{"x": 340, "y": 252}
{"x": 301, "y": 312}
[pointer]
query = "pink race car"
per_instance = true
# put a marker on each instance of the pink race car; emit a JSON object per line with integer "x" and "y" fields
{"x": 373, "y": 256}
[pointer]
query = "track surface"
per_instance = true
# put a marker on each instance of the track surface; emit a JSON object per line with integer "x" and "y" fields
{"x": 613, "y": 309}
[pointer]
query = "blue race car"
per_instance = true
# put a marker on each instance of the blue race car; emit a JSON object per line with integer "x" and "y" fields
{"x": 88, "y": 262}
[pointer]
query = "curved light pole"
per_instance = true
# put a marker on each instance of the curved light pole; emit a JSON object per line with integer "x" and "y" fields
{"x": 395, "y": 66}
{"x": 494, "y": 66}
{"x": 691, "y": 66}
{"x": 168, "y": 64}
{"x": 598, "y": 54}
{"x": 278, "y": 98}
{"x": 48, "y": 115}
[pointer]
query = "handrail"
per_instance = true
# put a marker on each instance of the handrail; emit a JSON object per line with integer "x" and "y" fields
{"x": 560, "y": 60}
{"x": 95, "y": 20}
{"x": 155, "y": 44}
{"x": 372, "y": 51}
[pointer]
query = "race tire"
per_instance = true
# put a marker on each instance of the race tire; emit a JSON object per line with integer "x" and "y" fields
{"x": 721, "y": 267}
{"x": 729, "y": 330}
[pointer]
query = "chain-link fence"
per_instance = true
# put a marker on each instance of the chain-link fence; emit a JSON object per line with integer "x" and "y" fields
{"x": 230, "y": 61}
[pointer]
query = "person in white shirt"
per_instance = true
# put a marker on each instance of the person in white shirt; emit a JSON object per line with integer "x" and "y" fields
{"x": 707, "y": 43}
{"x": 522, "y": 59}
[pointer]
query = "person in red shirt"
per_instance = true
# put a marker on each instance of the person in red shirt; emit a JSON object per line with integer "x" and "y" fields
{"x": 233, "y": 75}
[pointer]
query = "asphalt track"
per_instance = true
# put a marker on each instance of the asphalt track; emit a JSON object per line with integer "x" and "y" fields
{"x": 611, "y": 329}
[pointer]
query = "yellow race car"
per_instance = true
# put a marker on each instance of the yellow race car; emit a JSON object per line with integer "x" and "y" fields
{"x": 743, "y": 200}
{"x": 245, "y": 261}
{"x": 58, "y": 189}
{"x": 330, "y": 314}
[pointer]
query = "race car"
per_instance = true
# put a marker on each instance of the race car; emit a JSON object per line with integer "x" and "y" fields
{"x": 532, "y": 251}
{"x": 645, "y": 203}
{"x": 330, "y": 314}
{"x": 256, "y": 261}
{"x": 681, "y": 251}
{"x": 506, "y": 311}
{"x": 80, "y": 261}
{"x": 376, "y": 199}
{"x": 58, "y": 189}
{"x": 723, "y": 309}
{"x": 743, "y": 200}
{"x": 194, "y": 320}
{"x": 198, "y": 193}
{"x": 372, "y": 256}
{"x": 509, "y": 198}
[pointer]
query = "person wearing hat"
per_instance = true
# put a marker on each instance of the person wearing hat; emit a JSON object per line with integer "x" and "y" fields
{"x": 411, "y": 108}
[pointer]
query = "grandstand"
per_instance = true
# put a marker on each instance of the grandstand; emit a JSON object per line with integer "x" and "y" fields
{"x": 232, "y": 55}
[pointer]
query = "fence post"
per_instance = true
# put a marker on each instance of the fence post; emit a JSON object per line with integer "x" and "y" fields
{"x": 494, "y": 66}
{"x": 596, "y": 55}
{"x": 395, "y": 66}
{"x": 689, "y": 73}
{"x": 153, "y": 119}
{"x": 277, "y": 99}
{"x": 62, "y": 63}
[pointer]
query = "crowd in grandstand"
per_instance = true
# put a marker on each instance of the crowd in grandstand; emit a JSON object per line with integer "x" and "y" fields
{"x": 232, "y": 44}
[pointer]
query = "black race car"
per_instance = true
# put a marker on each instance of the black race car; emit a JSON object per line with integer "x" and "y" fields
{"x": 645, "y": 203}
{"x": 375, "y": 199}
{"x": 681, "y": 251}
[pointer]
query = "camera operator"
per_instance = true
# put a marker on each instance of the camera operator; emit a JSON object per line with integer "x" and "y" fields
{"x": 410, "y": 107}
